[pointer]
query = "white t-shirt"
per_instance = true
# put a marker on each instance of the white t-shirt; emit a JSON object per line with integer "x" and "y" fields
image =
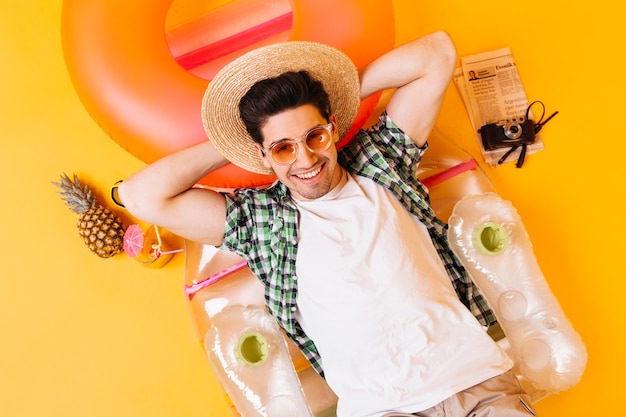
{"x": 374, "y": 297}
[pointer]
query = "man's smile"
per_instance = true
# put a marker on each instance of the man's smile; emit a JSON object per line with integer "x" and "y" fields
{"x": 310, "y": 174}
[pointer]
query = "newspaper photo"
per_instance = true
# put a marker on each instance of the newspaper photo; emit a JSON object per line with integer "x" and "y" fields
{"x": 493, "y": 94}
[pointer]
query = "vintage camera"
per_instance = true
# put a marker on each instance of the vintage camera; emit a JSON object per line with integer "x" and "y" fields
{"x": 507, "y": 133}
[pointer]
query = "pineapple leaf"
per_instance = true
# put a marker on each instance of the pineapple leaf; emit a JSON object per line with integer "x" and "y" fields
{"x": 78, "y": 197}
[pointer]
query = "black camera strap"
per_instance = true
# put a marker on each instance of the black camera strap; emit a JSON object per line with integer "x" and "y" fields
{"x": 536, "y": 127}
{"x": 520, "y": 158}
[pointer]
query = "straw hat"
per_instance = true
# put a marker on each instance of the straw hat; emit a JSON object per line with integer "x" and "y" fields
{"x": 220, "y": 104}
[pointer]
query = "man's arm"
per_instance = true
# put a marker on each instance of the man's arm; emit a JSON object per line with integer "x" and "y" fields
{"x": 162, "y": 194}
{"x": 421, "y": 71}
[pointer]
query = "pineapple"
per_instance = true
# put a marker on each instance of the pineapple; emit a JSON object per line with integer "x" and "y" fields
{"x": 101, "y": 230}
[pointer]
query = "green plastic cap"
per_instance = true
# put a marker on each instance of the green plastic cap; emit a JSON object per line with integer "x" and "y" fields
{"x": 252, "y": 349}
{"x": 490, "y": 238}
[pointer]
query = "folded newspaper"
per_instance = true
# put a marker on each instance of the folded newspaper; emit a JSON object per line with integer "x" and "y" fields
{"x": 493, "y": 93}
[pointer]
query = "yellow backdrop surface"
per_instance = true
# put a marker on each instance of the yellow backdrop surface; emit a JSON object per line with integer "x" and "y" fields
{"x": 81, "y": 336}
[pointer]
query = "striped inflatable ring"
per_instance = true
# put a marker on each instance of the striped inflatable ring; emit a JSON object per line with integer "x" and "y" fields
{"x": 143, "y": 84}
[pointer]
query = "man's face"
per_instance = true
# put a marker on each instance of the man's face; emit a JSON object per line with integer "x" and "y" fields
{"x": 312, "y": 174}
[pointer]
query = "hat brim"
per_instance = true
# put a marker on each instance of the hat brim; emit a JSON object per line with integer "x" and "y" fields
{"x": 220, "y": 104}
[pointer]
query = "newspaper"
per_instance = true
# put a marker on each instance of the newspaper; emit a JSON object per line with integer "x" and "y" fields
{"x": 492, "y": 90}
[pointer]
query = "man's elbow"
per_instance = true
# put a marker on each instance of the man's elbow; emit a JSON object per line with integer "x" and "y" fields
{"x": 132, "y": 200}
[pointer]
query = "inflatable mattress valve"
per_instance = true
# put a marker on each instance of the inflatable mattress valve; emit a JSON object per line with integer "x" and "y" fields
{"x": 251, "y": 349}
{"x": 490, "y": 238}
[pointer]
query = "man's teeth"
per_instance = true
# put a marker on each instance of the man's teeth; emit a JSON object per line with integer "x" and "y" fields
{"x": 309, "y": 174}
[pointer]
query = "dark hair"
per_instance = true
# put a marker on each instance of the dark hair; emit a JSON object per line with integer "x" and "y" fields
{"x": 271, "y": 96}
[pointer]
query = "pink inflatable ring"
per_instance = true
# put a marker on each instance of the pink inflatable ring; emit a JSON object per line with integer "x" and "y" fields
{"x": 142, "y": 90}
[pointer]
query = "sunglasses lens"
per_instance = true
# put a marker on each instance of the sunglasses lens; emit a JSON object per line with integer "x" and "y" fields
{"x": 318, "y": 139}
{"x": 284, "y": 152}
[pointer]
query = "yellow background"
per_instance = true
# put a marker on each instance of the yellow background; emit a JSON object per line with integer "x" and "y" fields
{"x": 81, "y": 336}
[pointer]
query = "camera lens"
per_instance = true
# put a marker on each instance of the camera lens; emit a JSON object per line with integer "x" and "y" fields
{"x": 512, "y": 130}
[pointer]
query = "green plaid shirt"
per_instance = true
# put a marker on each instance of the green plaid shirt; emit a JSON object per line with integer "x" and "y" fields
{"x": 262, "y": 226}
